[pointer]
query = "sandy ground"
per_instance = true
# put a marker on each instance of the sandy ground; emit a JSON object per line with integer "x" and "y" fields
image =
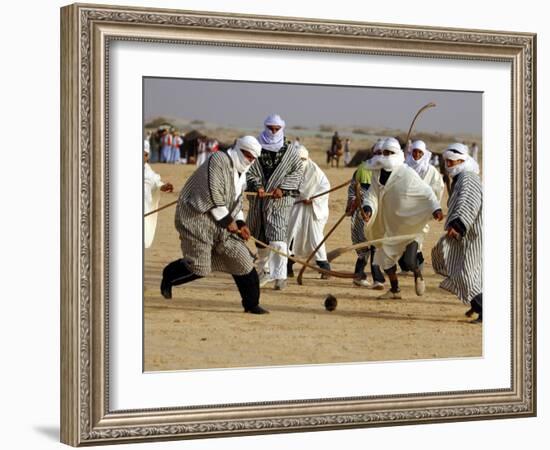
{"x": 203, "y": 326}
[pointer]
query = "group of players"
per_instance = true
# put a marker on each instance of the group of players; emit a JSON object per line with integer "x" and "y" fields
{"x": 392, "y": 197}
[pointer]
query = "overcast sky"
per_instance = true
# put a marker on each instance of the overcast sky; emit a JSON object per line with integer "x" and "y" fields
{"x": 246, "y": 104}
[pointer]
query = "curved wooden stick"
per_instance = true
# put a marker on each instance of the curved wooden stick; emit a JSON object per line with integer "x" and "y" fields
{"x": 420, "y": 111}
{"x": 267, "y": 194}
{"x": 304, "y": 263}
{"x": 340, "y": 186}
{"x": 302, "y": 270}
{"x": 333, "y": 254}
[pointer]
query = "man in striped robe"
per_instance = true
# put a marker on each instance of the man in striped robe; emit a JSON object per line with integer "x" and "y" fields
{"x": 209, "y": 220}
{"x": 458, "y": 254}
{"x": 363, "y": 175}
{"x": 277, "y": 171}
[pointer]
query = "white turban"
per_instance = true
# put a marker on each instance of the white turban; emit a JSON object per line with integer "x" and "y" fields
{"x": 274, "y": 120}
{"x": 374, "y": 163}
{"x": 146, "y": 146}
{"x": 391, "y": 144}
{"x": 397, "y": 157}
{"x": 303, "y": 151}
{"x": 458, "y": 151}
{"x": 269, "y": 140}
{"x": 421, "y": 165}
{"x": 248, "y": 143}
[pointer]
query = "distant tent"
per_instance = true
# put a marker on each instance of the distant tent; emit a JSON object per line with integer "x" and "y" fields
{"x": 359, "y": 157}
{"x": 190, "y": 145}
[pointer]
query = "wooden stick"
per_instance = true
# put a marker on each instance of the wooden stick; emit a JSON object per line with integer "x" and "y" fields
{"x": 333, "y": 254}
{"x": 302, "y": 270}
{"x": 255, "y": 194}
{"x": 304, "y": 263}
{"x": 420, "y": 111}
{"x": 268, "y": 194}
{"x": 160, "y": 209}
{"x": 324, "y": 193}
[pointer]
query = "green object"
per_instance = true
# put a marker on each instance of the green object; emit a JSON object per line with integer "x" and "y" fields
{"x": 363, "y": 175}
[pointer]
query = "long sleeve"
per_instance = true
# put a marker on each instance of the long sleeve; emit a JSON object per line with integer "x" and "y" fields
{"x": 466, "y": 200}
{"x": 320, "y": 204}
{"x": 216, "y": 185}
{"x": 293, "y": 178}
{"x": 254, "y": 178}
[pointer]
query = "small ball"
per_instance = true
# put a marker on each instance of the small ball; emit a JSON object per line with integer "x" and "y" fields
{"x": 330, "y": 302}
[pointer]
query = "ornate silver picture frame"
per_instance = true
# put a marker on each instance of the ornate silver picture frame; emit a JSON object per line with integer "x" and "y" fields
{"x": 87, "y": 35}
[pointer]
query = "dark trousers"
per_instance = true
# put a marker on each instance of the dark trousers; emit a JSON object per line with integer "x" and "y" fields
{"x": 177, "y": 273}
{"x": 321, "y": 264}
{"x": 411, "y": 259}
{"x": 361, "y": 263}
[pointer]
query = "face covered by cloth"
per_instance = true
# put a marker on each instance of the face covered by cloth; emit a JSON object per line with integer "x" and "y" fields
{"x": 458, "y": 151}
{"x": 395, "y": 158}
{"x": 249, "y": 144}
{"x": 269, "y": 140}
{"x": 374, "y": 163}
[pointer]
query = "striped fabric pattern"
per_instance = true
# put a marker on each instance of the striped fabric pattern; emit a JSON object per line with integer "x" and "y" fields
{"x": 357, "y": 221}
{"x": 205, "y": 245}
{"x": 268, "y": 218}
{"x": 460, "y": 260}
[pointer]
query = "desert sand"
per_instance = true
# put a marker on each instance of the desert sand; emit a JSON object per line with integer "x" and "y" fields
{"x": 203, "y": 326}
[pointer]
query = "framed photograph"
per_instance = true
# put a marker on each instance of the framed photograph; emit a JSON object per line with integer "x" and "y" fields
{"x": 180, "y": 315}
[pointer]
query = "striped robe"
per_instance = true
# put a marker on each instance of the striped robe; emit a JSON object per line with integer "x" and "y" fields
{"x": 357, "y": 221}
{"x": 460, "y": 260}
{"x": 268, "y": 217}
{"x": 206, "y": 246}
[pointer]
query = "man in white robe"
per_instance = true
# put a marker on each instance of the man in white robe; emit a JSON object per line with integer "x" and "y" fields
{"x": 419, "y": 160}
{"x": 309, "y": 217}
{"x": 152, "y": 187}
{"x": 398, "y": 203}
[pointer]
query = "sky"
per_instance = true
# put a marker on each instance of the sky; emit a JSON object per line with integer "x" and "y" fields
{"x": 246, "y": 104}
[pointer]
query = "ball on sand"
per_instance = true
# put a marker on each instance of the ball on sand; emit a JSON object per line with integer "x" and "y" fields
{"x": 330, "y": 302}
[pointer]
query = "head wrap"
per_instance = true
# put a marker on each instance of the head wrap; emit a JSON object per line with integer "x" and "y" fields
{"x": 396, "y": 158}
{"x": 421, "y": 165}
{"x": 146, "y": 146}
{"x": 374, "y": 163}
{"x": 251, "y": 145}
{"x": 378, "y": 146}
{"x": 458, "y": 151}
{"x": 273, "y": 141}
{"x": 303, "y": 152}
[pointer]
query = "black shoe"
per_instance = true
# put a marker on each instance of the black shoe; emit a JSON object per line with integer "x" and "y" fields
{"x": 256, "y": 310}
{"x": 470, "y": 312}
{"x": 166, "y": 288}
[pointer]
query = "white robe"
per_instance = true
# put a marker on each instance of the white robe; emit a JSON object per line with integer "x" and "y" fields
{"x": 151, "y": 197}
{"x": 307, "y": 222}
{"x": 401, "y": 207}
{"x": 434, "y": 179}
